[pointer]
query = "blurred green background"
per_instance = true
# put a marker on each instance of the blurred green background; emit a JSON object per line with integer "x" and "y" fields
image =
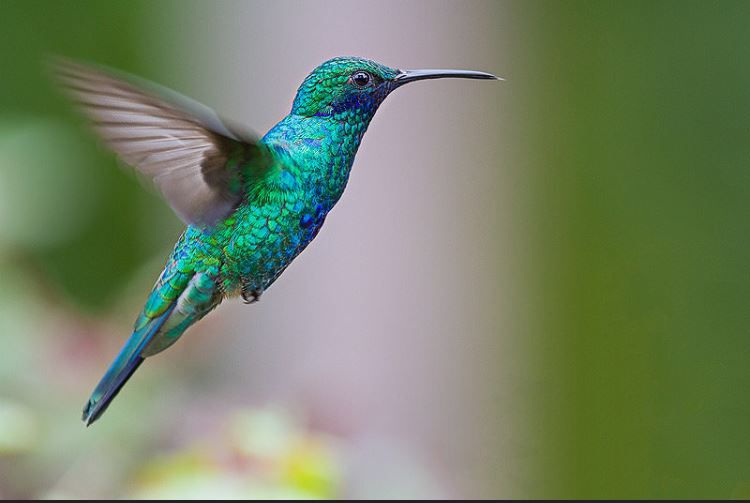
{"x": 639, "y": 145}
{"x": 552, "y": 303}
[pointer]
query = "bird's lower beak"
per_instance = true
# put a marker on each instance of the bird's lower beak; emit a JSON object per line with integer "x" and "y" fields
{"x": 407, "y": 76}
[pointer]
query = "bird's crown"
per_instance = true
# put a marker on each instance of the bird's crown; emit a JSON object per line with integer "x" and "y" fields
{"x": 343, "y": 83}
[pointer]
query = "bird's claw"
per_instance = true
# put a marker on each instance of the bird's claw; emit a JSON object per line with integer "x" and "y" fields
{"x": 250, "y": 296}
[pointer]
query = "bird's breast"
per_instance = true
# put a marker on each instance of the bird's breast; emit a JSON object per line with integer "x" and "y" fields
{"x": 267, "y": 237}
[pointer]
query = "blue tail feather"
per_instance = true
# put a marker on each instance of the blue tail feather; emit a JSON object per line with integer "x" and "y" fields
{"x": 126, "y": 363}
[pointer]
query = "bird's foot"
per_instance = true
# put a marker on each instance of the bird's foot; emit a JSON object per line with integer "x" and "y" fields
{"x": 251, "y": 296}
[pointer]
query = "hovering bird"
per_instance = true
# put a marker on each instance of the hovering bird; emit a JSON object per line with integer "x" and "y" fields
{"x": 250, "y": 205}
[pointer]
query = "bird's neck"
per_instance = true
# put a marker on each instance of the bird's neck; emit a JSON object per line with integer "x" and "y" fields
{"x": 321, "y": 150}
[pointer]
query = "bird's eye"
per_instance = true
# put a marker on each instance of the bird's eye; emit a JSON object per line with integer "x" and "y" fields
{"x": 361, "y": 79}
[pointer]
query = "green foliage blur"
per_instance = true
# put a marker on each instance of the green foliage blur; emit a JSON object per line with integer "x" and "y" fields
{"x": 641, "y": 156}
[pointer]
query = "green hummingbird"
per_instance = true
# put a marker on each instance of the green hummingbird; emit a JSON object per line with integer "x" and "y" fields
{"x": 251, "y": 205}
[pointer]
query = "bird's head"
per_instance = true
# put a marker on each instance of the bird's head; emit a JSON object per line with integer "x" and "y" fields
{"x": 349, "y": 87}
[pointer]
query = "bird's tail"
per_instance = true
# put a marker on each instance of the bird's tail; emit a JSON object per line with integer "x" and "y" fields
{"x": 126, "y": 363}
{"x": 179, "y": 299}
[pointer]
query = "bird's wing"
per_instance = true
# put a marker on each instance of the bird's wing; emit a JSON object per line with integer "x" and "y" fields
{"x": 190, "y": 154}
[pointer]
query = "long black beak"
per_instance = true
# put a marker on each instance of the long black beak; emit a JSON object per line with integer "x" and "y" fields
{"x": 407, "y": 76}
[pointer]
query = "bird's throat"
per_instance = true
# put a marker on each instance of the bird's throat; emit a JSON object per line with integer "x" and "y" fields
{"x": 320, "y": 150}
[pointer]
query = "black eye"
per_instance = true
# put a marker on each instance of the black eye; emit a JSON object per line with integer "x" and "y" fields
{"x": 361, "y": 79}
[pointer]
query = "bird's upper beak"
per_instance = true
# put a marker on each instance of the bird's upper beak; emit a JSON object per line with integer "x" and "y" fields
{"x": 406, "y": 76}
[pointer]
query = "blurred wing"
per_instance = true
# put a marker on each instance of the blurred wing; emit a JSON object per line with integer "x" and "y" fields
{"x": 184, "y": 147}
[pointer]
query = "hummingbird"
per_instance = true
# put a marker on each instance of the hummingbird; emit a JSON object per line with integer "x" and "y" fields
{"x": 250, "y": 205}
